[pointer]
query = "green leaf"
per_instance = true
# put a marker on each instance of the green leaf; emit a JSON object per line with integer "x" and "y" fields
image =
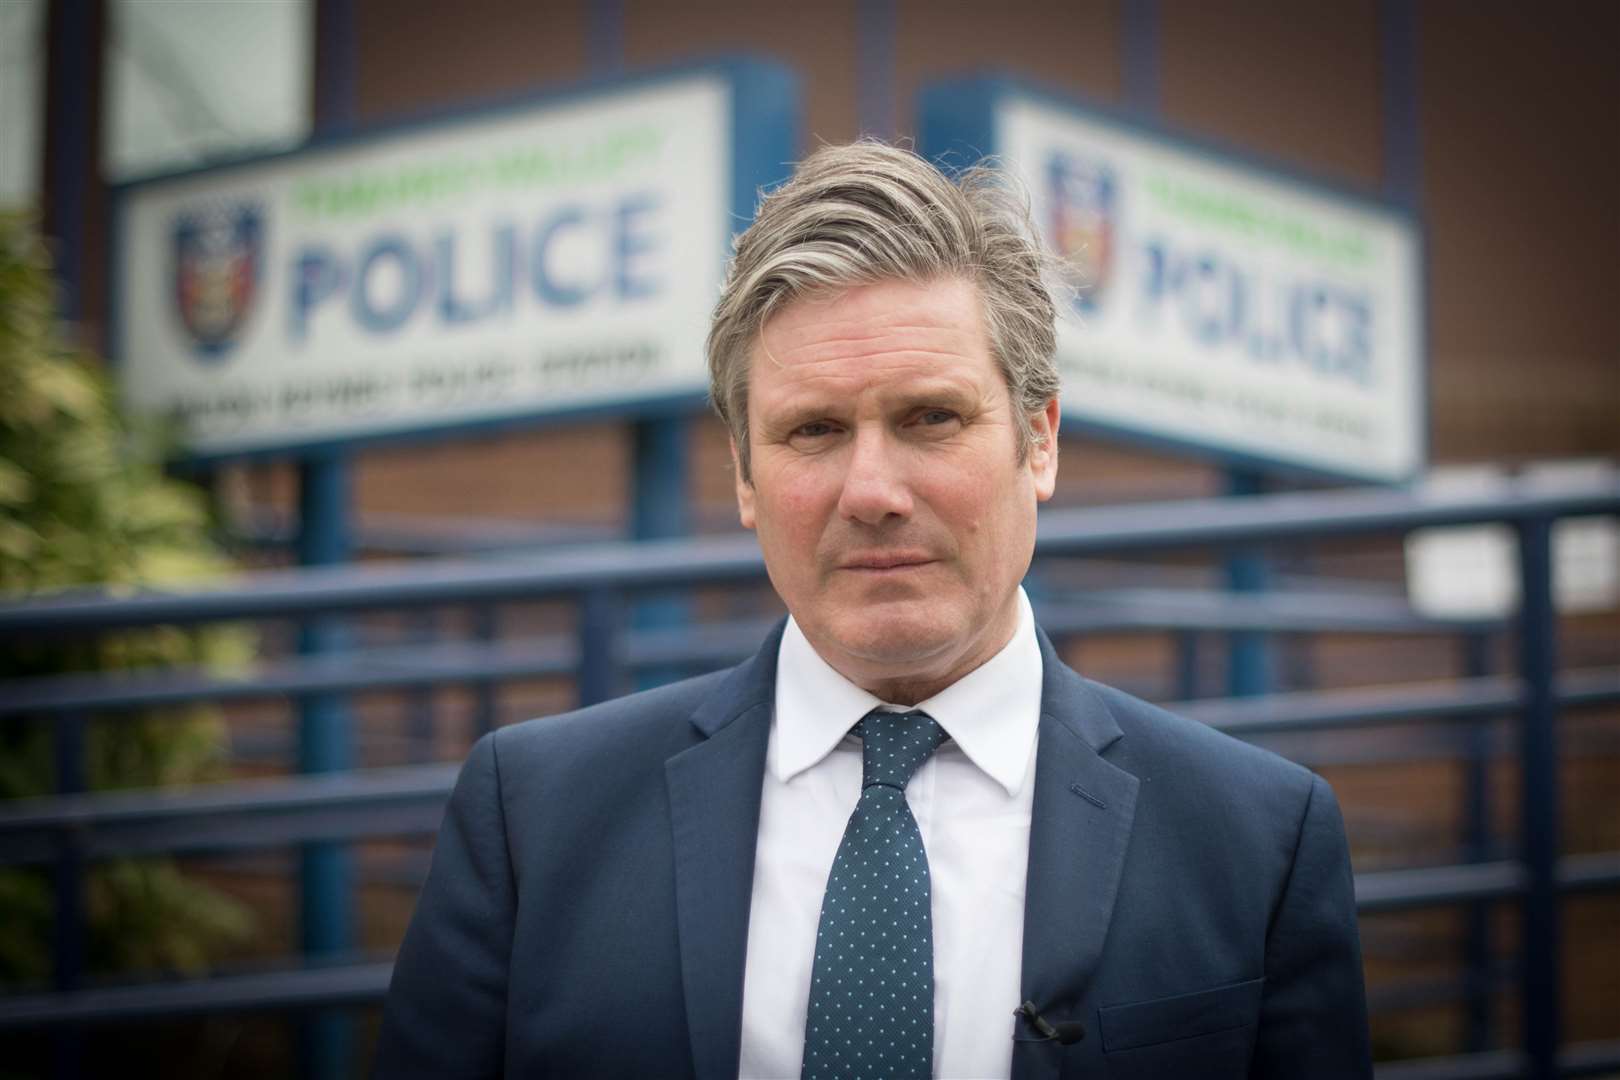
{"x": 16, "y": 487}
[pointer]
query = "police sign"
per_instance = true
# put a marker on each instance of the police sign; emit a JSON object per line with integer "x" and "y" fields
{"x": 539, "y": 259}
{"x": 1218, "y": 306}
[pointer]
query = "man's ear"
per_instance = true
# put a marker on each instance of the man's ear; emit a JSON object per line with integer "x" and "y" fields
{"x": 745, "y": 490}
{"x": 1043, "y": 454}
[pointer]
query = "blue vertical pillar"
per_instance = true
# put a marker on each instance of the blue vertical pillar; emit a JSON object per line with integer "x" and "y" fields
{"x": 326, "y": 740}
{"x": 659, "y": 511}
{"x": 1140, "y": 70}
{"x": 337, "y": 89}
{"x": 1403, "y": 156}
{"x": 73, "y": 187}
{"x": 874, "y": 67}
{"x": 1249, "y": 661}
{"x": 1541, "y": 990}
{"x": 660, "y": 463}
{"x": 72, "y": 190}
{"x": 325, "y": 744}
{"x": 604, "y": 36}
{"x": 659, "y": 456}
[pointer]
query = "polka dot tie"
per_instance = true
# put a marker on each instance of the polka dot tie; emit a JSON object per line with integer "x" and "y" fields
{"x": 872, "y": 986}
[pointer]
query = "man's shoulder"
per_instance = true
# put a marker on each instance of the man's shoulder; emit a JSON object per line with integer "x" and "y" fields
{"x": 647, "y": 718}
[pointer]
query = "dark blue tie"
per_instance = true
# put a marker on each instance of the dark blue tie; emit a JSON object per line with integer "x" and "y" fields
{"x": 872, "y": 986}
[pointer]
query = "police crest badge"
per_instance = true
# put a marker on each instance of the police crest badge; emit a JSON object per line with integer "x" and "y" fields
{"x": 217, "y": 254}
{"x": 1081, "y": 194}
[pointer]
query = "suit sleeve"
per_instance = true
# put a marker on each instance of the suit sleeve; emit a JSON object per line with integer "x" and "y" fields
{"x": 1313, "y": 1019}
{"x": 445, "y": 1015}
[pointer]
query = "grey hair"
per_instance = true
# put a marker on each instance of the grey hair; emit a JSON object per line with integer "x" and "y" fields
{"x": 864, "y": 213}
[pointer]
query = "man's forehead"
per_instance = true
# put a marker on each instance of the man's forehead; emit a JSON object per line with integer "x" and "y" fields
{"x": 883, "y": 322}
{"x": 893, "y": 299}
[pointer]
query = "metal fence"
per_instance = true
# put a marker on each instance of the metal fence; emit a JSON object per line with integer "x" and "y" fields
{"x": 69, "y": 830}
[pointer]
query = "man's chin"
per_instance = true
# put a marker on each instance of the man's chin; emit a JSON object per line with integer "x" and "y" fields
{"x": 890, "y": 646}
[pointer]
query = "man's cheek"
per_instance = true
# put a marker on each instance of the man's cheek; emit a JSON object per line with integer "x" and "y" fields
{"x": 802, "y": 506}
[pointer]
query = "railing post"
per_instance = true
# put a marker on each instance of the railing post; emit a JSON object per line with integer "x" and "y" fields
{"x": 68, "y": 888}
{"x": 598, "y": 645}
{"x": 486, "y": 630}
{"x": 423, "y": 630}
{"x": 1187, "y": 665}
{"x": 68, "y": 749}
{"x": 1541, "y": 990}
{"x": 68, "y": 885}
{"x": 1478, "y": 846}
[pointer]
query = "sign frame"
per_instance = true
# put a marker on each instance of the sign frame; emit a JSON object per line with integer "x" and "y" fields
{"x": 957, "y": 129}
{"x": 763, "y": 126}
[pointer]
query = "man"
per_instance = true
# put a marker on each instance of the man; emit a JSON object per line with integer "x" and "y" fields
{"x": 859, "y": 852}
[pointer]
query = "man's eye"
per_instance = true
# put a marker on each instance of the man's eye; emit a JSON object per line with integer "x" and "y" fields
{"x": 814, "y": 429}
{"x": 933, "y": 417}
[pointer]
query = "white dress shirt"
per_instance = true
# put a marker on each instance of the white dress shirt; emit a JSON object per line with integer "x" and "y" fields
{"x": 972, "y": 803}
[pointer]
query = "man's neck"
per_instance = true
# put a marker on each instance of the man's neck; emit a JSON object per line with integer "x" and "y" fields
{"x": 915, "y": 687}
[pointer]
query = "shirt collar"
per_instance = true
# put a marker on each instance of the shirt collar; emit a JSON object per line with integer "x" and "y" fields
{"x": 992, "y": 713}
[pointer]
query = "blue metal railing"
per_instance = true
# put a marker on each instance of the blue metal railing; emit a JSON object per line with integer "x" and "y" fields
{"x": 68, "y": 830}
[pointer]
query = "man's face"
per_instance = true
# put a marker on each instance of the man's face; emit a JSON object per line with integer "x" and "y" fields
{"x": 895, "y": 516}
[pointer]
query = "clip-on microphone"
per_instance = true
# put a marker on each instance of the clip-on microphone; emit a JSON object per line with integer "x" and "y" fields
{"x": 1064, "y": 1032}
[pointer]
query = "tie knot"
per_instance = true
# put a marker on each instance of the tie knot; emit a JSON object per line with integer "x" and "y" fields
{"x": 894, "y": 746}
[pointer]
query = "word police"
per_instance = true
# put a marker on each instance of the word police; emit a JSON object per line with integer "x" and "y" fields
{"x": 1223, "y": 304}
{"x": 575, "y": 254}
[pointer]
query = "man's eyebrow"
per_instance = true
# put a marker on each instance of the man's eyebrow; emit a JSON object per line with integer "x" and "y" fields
{"x": 795, "y": 415}
{"x": 941, "y": 391}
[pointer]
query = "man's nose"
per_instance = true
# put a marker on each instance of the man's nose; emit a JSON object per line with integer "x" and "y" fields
{"x": 875, "y": 486}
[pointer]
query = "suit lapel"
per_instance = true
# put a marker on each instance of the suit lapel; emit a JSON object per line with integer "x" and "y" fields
{"x": 714, "y": 794}
{"x": 1079, "y": 831}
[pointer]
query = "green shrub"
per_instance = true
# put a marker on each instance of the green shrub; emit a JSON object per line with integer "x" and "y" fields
{"x": 84, "y": 501}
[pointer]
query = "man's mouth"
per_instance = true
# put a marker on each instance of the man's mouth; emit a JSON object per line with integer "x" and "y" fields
{"x": 878, "y": 562}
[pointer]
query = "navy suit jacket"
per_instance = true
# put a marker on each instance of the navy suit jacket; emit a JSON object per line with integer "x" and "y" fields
{"x": 1189, "y": 898}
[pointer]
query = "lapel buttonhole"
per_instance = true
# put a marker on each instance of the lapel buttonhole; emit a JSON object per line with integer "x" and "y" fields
{"x": 1088, "y": 796}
